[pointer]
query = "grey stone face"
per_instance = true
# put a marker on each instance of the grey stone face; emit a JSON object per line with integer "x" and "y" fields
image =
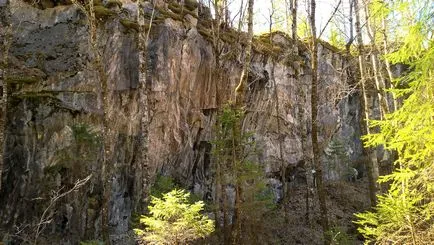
{"x": 3, "y": 3}
{"x": 54, "y": 129}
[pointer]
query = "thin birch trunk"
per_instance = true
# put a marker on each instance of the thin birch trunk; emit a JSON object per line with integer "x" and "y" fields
{"x": 386, "y": 62}
{"x": 314, "y": 131}
{"x": 371, "y": 153}
{"x": 379, "y": 83}
{"x": 351, "y": 37}
{"x": 240, "y": 90}
{"x": 143, "y": 174}
{"x": 294, "y": 19}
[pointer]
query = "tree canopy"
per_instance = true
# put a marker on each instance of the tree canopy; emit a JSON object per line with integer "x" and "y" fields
{"x": 404, "y": 215}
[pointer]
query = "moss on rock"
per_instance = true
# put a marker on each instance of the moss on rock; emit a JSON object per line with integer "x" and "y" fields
{"x": 191, "y": 4}
{"x": 181, "y": 10}
{"x": 128, "y": 24}
{"x": 113, "y": 3}
{"x": 103, "y": 12}
{"x": 20, "y": 79}
{"x": 170, "y": 14}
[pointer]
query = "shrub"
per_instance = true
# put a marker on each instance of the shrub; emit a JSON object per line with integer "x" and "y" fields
{"x": 173, "y": 220}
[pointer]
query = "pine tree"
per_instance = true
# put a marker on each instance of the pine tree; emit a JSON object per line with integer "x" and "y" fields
{"x": 173, "y": 220}
{"x": 233, "y": 170}
{"x": 337, "y": 159}
{"x": 405, "y": 215}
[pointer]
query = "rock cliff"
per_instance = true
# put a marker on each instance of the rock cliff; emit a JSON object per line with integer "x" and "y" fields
{"x": 164, "y": 103}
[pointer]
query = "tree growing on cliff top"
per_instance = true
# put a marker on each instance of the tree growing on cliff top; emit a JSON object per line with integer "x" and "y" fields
{"x": 173, "y": 220}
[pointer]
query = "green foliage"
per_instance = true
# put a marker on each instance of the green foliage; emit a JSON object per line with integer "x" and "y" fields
{"x": 405, "y": 215}
{"x": 77, "y": 155}
{"x": 163, "y": 184}
{"x": 173, "y": 220}
{"x": 258, "y": 198}
{"x": 234, "y": 152}
{"x": 303, "y": 29}
{"x": 339, "y": 236}
{"x": 279, "y": 21}
{"x": 84, "y": 134}
{"x": 336, "y": 39}
{"x": 337, "y": 159}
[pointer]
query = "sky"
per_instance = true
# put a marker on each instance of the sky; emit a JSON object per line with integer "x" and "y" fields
{"x": 262, "y": 10}
{"x": 263, "y": 7}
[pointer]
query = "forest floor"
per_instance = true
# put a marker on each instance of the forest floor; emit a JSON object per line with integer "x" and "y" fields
{"x": 343, "y": 200}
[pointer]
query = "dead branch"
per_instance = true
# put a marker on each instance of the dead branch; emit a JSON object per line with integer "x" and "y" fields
{"x": 56, "y": 196}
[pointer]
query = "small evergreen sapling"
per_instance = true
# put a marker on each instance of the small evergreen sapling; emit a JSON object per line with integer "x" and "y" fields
{"x": 173, "y": 220}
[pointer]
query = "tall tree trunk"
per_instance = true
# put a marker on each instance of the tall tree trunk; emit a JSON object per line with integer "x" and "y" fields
{"x": 270, "y": 24}
{"x": 237, "y": 161}
{"x": 380, "y": 84}
{"x": 376, "y": 67}
{"x": 240, "y": 92}
{"x": 314, "y": 131}
{"x": 106, "y": 133}
{"x": 215, "y": 26}
{"x": 227, "y": 14}
{"x": 351, "y": 36}
{"x": 226, "y": 223}
{"x": 240, "y": 22}
{"x": 144, "y": 93}
{"x": 294, "y": 6}
{"x": 388, "y": 101}
{"x": 222, "y": 198}
{"x": 5, "y": 41}
{"x": 371, "y": 153}
{"x": 386, "y": 62}
{"x": 221, "y": 195}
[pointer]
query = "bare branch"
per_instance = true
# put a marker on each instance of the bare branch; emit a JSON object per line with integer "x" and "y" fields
{"x": 46, "y": 218}
{"x": 331, "y": 17}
